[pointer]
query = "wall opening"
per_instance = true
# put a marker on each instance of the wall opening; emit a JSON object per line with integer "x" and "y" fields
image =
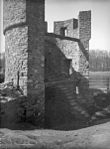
{"x": 63, "y": 31}
{"x": 77, "y": 90}
{"x": 75, "y": 23}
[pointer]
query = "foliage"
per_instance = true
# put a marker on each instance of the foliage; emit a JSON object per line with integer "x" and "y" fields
{"x": 99, "y": 60}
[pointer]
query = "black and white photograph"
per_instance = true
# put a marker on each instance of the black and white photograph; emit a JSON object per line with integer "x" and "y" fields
{"x": 54, "y": 74}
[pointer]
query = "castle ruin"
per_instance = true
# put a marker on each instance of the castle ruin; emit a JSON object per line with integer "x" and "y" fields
{"x": 46, "y": 66}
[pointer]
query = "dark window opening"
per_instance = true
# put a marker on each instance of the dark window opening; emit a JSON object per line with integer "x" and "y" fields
{"x": 63, "y": 31}
{"x": 75, "y": 23}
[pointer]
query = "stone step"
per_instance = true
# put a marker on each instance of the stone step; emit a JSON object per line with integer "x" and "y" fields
{"x": 72, "y": 102}
{"x": 63, "y": 88}
{"x": 68, "y": 97}
{"x": 67, "y": 90}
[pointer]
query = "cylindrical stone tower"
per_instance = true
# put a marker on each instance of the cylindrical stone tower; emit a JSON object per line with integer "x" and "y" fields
{"x": 24, "y": 31}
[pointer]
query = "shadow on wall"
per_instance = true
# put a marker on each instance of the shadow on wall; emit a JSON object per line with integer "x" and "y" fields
{"x": 57, "y": 112}
{"x": 69, "y": 103}
{"x": 64, "y": 109}
{"x": 2, "y": 67}
{"x": 67, "y": 110}
{"x": 56, "y": 64}
{"x": 67, "y": 97}
{"x": 19, "y": 112}
{"x": 85, "y": 52}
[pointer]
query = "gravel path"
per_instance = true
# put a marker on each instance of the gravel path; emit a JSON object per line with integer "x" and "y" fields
{"x": 95, "y": 137}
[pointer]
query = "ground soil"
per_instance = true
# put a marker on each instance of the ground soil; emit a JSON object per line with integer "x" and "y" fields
{"x": 94, "y": 137}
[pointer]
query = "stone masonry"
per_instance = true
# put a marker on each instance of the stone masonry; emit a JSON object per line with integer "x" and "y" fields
{"x": 77, "y": 51}
{"x": 46, "y": 66}
{"x": 24, "y": 37}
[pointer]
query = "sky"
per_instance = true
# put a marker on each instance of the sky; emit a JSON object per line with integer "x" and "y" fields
{"x": 57, "y": 10}
{"x": 2, "y": 41}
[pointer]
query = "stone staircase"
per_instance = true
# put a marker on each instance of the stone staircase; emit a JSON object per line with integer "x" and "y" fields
{"x": 63, "y": 98}
{"x": 76, "y": 109}
{"x": 51, "y": 76}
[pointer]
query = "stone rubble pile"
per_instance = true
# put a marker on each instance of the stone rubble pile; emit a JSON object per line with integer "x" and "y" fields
{"x": 8, "y": 92}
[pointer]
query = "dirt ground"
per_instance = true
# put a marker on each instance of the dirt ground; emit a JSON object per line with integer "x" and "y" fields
{"x": 94, "y": 137}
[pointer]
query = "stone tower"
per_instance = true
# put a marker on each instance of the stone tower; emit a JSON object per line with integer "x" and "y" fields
{"x": 84, "y": 21}
{"x": 78, "y": 51}
{"x": 24, "y": 46}
{"x": 30, "y": 52}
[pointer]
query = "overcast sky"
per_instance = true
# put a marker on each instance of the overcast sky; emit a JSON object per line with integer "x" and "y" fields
{"x": 2, "y": 46}
{"x": 67, "y": 9}
{"x": 57, "y": 10}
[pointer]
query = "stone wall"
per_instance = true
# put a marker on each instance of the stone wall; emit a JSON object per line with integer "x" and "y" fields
{"x": 56, "y": 64}
{"x": 84, "y": 21}
{"x": 24, "y": 42}
{"x": 71, "y": 51}
{"x": 36, "y": 33}
{"x": 16, "y": 42}
{"x": 62, "y": 108}
{"x": 70, "y": 28}
{"x": 61, "y": 81}
{"x": 14, "y": 12}
{"x": 36, "y": 59}
{"x": 76, "y": 28}
{"x": 69, "y": 47}
{"x": 16, "y": 57}
{"x": 24, "y": 30}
